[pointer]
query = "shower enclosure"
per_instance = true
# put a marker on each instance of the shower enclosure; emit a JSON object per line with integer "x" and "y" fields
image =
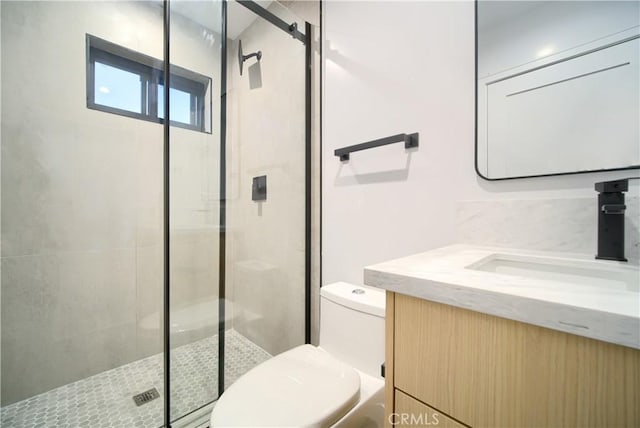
{"x": 148, "y": 263}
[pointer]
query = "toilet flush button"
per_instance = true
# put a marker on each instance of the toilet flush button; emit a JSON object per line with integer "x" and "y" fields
{"x": 357, "y": 291}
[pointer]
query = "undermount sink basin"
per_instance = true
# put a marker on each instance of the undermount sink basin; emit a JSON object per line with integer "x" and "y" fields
{"x": 601, "y": 274}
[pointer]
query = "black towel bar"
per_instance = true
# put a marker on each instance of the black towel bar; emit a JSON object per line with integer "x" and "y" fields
{"x": 410, "y": 140}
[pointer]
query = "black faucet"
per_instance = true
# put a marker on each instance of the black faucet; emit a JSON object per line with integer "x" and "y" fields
{"x": 611, "y": 210}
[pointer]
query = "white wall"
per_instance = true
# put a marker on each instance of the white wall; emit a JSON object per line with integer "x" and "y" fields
{"x": 395, "y": 67}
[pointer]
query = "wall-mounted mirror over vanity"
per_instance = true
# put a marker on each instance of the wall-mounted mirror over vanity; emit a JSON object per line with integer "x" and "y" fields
{"x": 558, "y": 87}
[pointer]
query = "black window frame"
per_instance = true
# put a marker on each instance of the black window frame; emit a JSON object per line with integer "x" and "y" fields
{"x": 151, "y": 74}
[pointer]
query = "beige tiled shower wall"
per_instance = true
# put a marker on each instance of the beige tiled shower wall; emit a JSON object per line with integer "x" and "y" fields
{"x": 82, "y": 198}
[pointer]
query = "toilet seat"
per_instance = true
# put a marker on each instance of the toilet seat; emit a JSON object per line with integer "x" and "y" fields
{"x": 303, "y": 387}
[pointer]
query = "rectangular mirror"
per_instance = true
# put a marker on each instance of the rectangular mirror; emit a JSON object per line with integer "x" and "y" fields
{"x": 558, "y": 87}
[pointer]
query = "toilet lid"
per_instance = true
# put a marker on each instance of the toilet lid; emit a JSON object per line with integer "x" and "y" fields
{"x": 303, "y": 387}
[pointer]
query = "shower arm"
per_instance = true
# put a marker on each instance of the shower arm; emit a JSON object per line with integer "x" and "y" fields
{"x": 251, "y": 55}
{"x": 242, "y": 58}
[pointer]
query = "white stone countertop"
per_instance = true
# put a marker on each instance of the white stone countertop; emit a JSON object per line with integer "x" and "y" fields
{"x": 610, "y": 314}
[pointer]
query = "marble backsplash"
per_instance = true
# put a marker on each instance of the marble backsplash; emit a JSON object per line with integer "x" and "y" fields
{"x": 566, "y": 225}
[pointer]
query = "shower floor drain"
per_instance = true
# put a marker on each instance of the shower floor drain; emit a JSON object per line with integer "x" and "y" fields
{"x": 145, "y": 397}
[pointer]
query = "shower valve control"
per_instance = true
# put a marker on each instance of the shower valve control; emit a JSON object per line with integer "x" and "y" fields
{"x": 259, "y": 188}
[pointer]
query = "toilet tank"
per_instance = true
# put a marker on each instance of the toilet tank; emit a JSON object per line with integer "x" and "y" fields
{"x": 352, "y": 325}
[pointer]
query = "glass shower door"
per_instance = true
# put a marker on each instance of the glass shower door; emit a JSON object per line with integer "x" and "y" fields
{"x": 266, "y": 193}
{"x": 82, "y": 262}
{"x": 194, "y": 212}
{"x": 81, "y": 215}
{"x": 238, "y": 200}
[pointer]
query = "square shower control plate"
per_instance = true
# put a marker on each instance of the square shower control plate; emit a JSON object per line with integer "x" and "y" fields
{"x": 259, "y": 188}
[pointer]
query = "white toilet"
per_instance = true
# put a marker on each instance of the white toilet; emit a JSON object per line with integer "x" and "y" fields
{"x": 336, "y": 384}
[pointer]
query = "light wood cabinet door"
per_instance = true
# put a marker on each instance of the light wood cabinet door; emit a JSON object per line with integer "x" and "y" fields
{"x": 410, "y": 412}
{"x": 489, "y": 371}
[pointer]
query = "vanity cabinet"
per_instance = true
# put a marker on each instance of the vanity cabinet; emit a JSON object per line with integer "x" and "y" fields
{"x": 412, "y": 412}
{"x": 479, "y": 370}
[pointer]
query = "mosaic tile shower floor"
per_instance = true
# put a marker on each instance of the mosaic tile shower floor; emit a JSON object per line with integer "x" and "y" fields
{"x": 105, "y": 400}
